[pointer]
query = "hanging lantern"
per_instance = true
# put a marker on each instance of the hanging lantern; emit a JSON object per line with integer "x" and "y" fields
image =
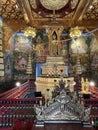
{"x": 30, "y": 31}
{"x": 75, "y": 32}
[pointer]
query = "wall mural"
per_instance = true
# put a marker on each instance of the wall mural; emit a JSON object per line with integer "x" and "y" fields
{"x": 78, "y": 50}
{"x": 16, "y": 59}
{"x": 79, "y": 46}
{"x": 85, "y": 46}
{"x": 20, "y": 43}
{"x": 20, "y": 46}
{"x": 8, "y": 65}
{"x": 41, "y": 46}
{"x": 94, "y": 58}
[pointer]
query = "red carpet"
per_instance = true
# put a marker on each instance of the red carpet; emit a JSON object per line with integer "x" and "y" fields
{"x": 5, "y": 128}
{"x": 22, "y": 125}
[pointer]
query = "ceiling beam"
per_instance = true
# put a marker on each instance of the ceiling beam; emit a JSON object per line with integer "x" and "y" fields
{"x": 89, "y": 2}
{"x": 27, "y": 10}
{"x": 23, "y": 11}
{"x": 76, "y": 20}
{"x": 85, "y": 23}
{"x": 80, "y": 11}
{"x": 89, "y": 23}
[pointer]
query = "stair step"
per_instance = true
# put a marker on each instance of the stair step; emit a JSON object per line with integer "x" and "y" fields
{"x": 39, "y": 124}
{"x": 86, "y": 124}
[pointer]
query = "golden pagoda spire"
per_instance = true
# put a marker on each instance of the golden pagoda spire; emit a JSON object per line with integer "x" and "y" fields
{"x": 29, "y": 65}
{"x": 78, "y": 66}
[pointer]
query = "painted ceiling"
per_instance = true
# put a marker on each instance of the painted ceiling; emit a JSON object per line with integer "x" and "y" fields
{"x": 40, "y": 12}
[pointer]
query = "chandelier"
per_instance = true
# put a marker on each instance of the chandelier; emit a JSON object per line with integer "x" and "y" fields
{"x": 30, "y": 31}
{"x": 75, "y": 32}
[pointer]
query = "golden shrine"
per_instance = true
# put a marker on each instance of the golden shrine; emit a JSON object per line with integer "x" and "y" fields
{"x": 55, "y": 67}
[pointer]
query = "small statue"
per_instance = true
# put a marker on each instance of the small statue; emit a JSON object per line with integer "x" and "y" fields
{"x": 62, "y": 84}
{"x": 85, "y": 85}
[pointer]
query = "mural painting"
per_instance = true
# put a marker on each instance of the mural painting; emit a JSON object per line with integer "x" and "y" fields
{"x": 20, "y": 47}
{"x": 8, "y": 65}
{"x": 84, "y": 47}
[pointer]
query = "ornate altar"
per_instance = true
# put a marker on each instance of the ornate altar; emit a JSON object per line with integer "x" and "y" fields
{"x": 56, "y": 68}
{"x": 53, "y": 71}
{"x": 62, "y": 108}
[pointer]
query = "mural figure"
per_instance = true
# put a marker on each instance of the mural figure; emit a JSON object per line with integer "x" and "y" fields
{"x": 19, "y": 42}
{"x": 79, "y": 46}
{"x": 8, "y": 67}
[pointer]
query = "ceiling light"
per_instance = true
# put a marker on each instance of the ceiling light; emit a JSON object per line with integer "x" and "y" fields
{"x": 66, "y": 12}
{"x": 91, "y": 6}
{"x": 30, "y": 31}
{"x": 16, "y": 6}
{"x": 75, "y": 32}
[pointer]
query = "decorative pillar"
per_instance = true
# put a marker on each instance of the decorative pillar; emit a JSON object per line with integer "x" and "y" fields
{"x": 1, "y": 50}
{"x": 30, "y": 32}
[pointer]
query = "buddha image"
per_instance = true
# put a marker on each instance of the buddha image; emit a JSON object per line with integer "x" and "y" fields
{"x": 19, "y": 42}
{"x": 94, "y": 45}
{"x": 79, "y": 45}
{"x": 55, "y": 46}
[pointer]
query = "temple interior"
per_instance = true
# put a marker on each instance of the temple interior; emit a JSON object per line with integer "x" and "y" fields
{"x": 48, "y": 64}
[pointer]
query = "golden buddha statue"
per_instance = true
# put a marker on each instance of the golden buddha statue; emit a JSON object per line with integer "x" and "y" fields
{"x": 85, "y": 85}
{"x": 54, "y": 45}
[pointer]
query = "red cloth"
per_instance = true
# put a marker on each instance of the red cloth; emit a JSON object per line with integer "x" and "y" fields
{"x": 20, "y": 125}
{"x": 29, "y": 126}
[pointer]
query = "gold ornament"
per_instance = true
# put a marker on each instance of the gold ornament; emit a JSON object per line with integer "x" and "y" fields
{"x": 30, "y": 31}
{"x": 75, "y": 32}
